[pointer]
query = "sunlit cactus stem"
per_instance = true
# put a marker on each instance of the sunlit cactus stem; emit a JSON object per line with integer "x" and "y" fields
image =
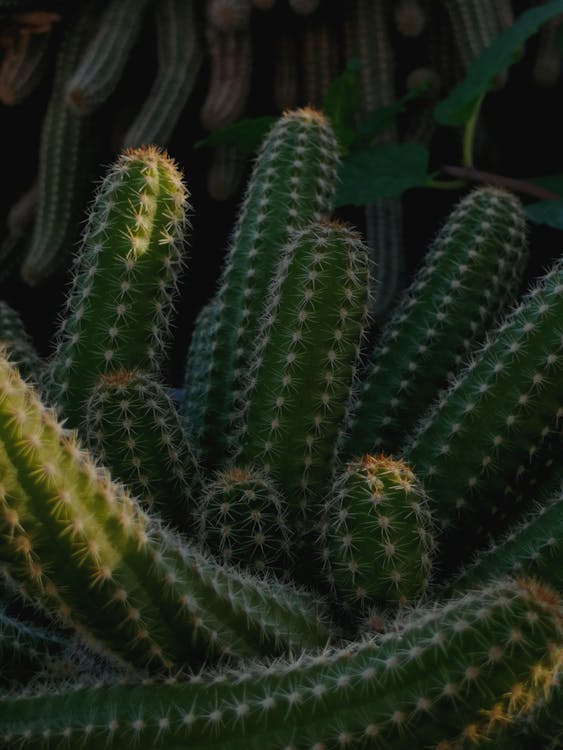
{"x": 81, "y": 544}
{"x": 454, "y": 675}
{"x": 126, "y": 273}
{"x": 304, "y": 363}
{"x": 292, "y": 182}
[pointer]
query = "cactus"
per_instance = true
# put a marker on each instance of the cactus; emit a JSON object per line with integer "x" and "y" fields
{"x": 377, "y": 535}
{"x": 409, "y": 17}
{"x": 65, "y": 159}
{"x": 473, "y": 269}
{"x": 18, "y": 344}
{"x": 292, "y": 182}
{"x": 304, "y": 363}
{"x": 475, "y": 24}
{"x": 547, "y": 65}
{"x": 125, "y": 278}
{"x": 229, "y": 15}
{"x": 494, "y": 416}
{"x": 23, "y": 66}
{"x": 101, "y": 64}
{"x": 85, "y": 549}
{"x": 133, "y": 427}
{"x": 243, "y": 520}
{"x": 454, "y": 675}
{"x": 178, "y": 62}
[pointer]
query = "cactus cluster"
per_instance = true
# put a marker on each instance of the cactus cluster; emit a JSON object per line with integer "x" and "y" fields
{"x": 200, "y": 573}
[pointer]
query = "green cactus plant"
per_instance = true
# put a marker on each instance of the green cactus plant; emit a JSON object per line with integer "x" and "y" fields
{"x": 472, "y": 270}
{"x": 83, "y": 547}
{"x": 18, "y": 344}
{"x": 496, "y": 413}
{"x": 119, "y": 308}
{"x": 377, "y": 535}
{"x": 304, "y": 363}
{"x": 132, "y": 426}
{"x": 243, "y": 520}
{"x": 454, "y": 675}
{"x": 292, "y": 182}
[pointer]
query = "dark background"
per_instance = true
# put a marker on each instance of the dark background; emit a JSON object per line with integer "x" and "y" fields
{"x": 521, "y": 130}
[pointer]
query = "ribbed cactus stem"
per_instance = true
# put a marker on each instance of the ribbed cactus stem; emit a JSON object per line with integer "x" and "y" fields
{"x": 18, "y": 344}
{"x": 83, "y": 546}
{"x": 126, "y": 273}
{"x": 23, "y": 66}
{"x": 65, "y": 159}
{"x": 304, "y": 7}
{"x": 243, "y": 520}
{"x": 495, "y": 414}
{"x": 474, "y": 24}
{"x": 292, "y": 182}
{"x": 229, "y": 15}
{"x": 377, "y": 535}
{"x": 102, "y": 63}
{"x": 472, "y": 270}
{"x": 179, "y": 58}
{"x": 305, "y": 362}
{"x": 133, "y": 428}
{"x": 455, "y": 675}
{"x": 320, "y": 62}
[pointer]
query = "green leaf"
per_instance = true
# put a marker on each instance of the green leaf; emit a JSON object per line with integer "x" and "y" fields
{"x": 552, "y": 182}
{"x": 246, "y": 135}
{"x": 342, "y": 102}
{"x": 457, "y": 107}
{"x": 384, "y": 171}
{"x": 381, "y": 118}
{"x": 546, "y": 212}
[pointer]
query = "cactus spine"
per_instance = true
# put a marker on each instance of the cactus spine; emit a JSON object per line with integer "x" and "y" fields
{"x": 292, "y": 183}
{"x": 305, "y": 362}
{"x": 243, "y": 520}
{"x": 495, "y": 414}
{"x": 18, "y": 344}
{"x": 473, "y": 268}
{"x": 455, "y": 674}
{"x": 125, "y": 277}
{"x": 84, "y": 548}
{"x": 133, "y": 427}
{"x": 377, "y": 535}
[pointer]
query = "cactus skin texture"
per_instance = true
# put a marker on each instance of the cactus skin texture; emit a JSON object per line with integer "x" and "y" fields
{"x": 292, "y": 182}
{"x": 454, "y": 675}
{"x": 377, "y": 535}
{"x": 472, "y": 270}
{"x": 305, "y": 362}
{"x": 179, "y": 57}
{"x": 496, "y": 413}
{"x": 18, "y": 344}
{"x": 119, "y": 308}
{"x": 243, "y": 520}
{"x": 83, "y": 547}
{"x": 133, "y": 427}
{"x": 532, "y": 547}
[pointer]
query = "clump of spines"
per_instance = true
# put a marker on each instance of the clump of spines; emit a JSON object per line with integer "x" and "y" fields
{"x": 292, "y": 182}
{"x": 494, "y": 416}
{"x": 243, "y": 520}
{"x": 125, "y": 278}
{"x": 82, "y": 546}
{"x": 377, "y": 535}
{"x": 470, "y": 273}
{"x": 454, "y": 674}
{"x": 132, "y": 426}
{"x": 304, "y": 363}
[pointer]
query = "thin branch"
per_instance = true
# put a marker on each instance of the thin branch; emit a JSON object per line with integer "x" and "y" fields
{"x": 518, "y": 186}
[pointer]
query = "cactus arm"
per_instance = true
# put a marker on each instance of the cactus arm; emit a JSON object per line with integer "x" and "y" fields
{"x": 102, "y": 62}
{"x": 292, "y": 182}
{"x": 84, "y": 548}
{"x": 23, "y": 67}
{"x": 64, "y": 160}
{"x": 178, "y": 63}
{"x": 304, "y": 362}
{"x": 471, "y": 271}
{"x": 119, "y": 308}
{"x": 454, "y": 673}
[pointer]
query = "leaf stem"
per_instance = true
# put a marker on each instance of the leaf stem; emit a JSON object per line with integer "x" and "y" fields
{"x": 469, "y": 133}
{"x": 470, "y": 174}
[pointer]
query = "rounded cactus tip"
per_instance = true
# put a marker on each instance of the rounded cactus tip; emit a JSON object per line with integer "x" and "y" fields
{"x": 307, "y": 113}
